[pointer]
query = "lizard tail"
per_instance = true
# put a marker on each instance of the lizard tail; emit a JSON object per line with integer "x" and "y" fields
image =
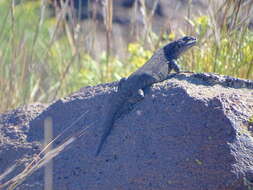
{"x": 103, "y": 139}
{"x": 113, "y": 114}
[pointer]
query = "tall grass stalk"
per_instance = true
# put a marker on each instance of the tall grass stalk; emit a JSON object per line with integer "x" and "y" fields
{"x": 108, "y": 10}
{"x": 43, "y": 58}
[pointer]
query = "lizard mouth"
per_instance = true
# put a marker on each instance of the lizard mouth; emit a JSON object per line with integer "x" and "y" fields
{"x": 190, "y": 41}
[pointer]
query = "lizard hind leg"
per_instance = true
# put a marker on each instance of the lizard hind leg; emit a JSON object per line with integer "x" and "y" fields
{"x": 136, "y": 97}
{"x": 130, "y": 102}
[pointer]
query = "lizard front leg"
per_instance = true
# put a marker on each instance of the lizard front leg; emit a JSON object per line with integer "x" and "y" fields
{"x": 173, "y": 66}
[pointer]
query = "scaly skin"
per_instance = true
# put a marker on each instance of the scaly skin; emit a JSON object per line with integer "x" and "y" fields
{"x": 155, "y": 70}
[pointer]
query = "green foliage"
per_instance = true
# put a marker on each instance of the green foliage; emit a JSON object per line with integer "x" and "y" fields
{"x": 226, "y": 52}
{"x": 137, "y": 55}
{"x": 39, "y": 62}
{"x": 251, "y": 120}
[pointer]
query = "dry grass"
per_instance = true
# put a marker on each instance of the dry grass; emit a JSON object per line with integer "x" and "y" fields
{"x": 41, "y": 58}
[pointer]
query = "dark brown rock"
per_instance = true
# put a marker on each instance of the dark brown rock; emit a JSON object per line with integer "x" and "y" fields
{"x": 186, "y": 134}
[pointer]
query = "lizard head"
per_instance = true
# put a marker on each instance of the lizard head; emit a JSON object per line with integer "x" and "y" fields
{"x": 174, "y": 49}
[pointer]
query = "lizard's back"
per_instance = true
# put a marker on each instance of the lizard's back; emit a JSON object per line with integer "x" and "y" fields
{"x": 157, "y": 67}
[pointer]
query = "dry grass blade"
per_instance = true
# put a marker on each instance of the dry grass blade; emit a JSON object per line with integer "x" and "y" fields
{"x": 7, "y": 172}
{"x": 39, "y": 161}
{"x": 14, "y": 182}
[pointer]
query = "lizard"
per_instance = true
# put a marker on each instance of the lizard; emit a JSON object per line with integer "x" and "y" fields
{"x": 155, "y": 70}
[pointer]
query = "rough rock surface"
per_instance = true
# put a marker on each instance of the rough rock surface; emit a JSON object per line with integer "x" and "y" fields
{"x": 186, "y": 134}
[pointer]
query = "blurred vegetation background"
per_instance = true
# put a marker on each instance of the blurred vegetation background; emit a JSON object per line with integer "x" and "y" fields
{"x": 49, "y": 49}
